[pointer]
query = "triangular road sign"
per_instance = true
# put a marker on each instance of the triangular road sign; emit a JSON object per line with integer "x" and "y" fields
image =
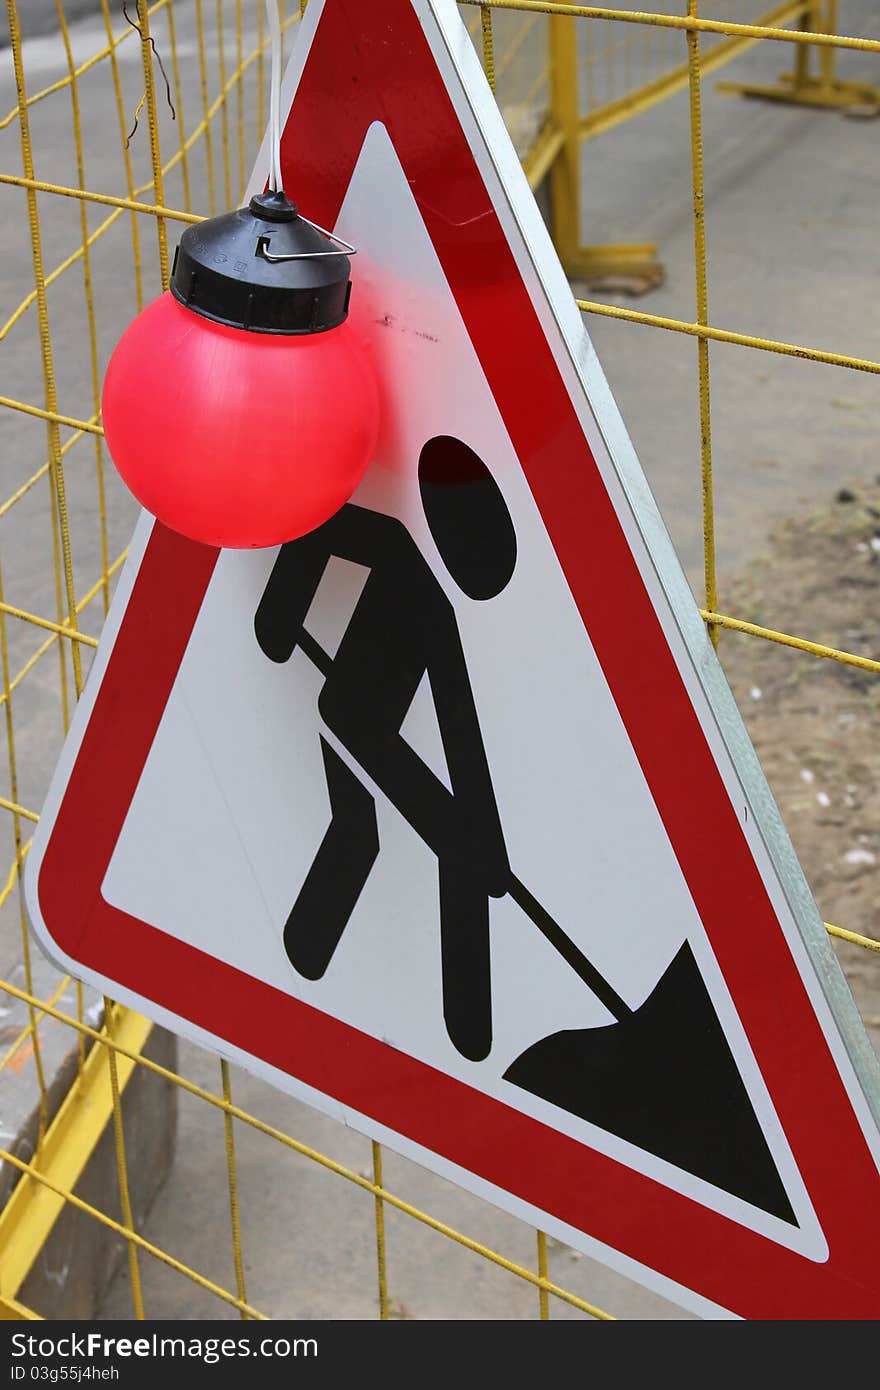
{"x": 443, "y": 817}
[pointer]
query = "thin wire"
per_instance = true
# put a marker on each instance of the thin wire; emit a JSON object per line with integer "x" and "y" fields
{"x": 146, "y": 37}
{"x": 276, "y": 183}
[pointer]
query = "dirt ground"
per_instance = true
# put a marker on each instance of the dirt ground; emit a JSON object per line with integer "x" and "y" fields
{"x": 814, "y": 722}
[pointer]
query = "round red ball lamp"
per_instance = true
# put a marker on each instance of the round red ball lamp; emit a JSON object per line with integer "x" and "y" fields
{"x": 239, "y": 407}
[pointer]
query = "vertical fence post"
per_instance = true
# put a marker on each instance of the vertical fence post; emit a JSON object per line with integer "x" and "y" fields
{"x": 630, "y": 267}
{"x": 804, "y": 87}
{"x": 564, "y": 112}
{"x": 828, "y": 56}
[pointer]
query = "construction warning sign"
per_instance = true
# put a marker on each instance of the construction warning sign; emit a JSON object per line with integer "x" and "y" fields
{"x": 442, "y": 816}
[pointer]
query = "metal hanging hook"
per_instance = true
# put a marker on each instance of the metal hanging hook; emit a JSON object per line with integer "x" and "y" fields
{"x": 264, "y": 242}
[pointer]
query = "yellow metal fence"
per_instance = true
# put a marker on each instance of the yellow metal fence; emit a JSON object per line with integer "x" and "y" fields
{"x": 562, "y": 73}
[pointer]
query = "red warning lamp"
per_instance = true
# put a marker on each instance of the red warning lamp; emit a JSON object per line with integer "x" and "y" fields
{"x": 239, "y": 407}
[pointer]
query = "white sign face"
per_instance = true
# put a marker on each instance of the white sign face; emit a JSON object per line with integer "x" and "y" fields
{"x": 242, "y": 741}
{"x": 406, "y": 821}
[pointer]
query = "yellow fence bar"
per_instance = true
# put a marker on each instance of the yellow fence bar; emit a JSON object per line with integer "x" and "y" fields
{"x": 156, "y": 210}
{"x": 633, "y": 103}
{"x": 39, "y": 1014}
{"x": 323, "y": 1160}
{"x": 50, "y": 642}
{"x": 35, "y": 1205}
{"x": 863, "y": 663}
{"x": 13, "y": 1311}
{"x": 700, "y": 277}
{"x": 65, "y": 1195}
{"x": 85, "y": 67}
{"x": 723, "y": 335}
{"x": 232, "y": 1181}
{"x": 71, "y": 634}
{"x": 18, "y": 810}
{"x": 86, "y": 426}
{"x": 855, "y": 938}
{"x": 542, "y": 155}
{"x": 801, "y": 86}
{"x": 155, "y": 152}
{"x": 686, "y": 23}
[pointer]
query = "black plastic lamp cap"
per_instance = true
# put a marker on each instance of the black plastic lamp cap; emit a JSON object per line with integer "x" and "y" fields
{"x": 263, "y": 268}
